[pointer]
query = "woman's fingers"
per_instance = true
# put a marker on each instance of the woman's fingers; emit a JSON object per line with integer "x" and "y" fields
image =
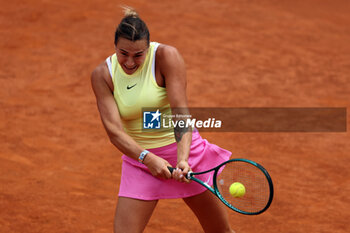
{"x": 180, "y": 175}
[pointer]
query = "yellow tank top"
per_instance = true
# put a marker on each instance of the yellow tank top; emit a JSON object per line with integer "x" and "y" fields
{"x": 138, "y": 91}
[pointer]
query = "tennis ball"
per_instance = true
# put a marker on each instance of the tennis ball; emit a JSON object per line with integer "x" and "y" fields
{"x": 237, "y": 189}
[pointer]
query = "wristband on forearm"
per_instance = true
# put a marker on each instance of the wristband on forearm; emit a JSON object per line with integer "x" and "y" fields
{"x": 143, "y": 155}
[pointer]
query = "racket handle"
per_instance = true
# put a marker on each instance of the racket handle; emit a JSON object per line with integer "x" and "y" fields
{"x": 171, "y": 169}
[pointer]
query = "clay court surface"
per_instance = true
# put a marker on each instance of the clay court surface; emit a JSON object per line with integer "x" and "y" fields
{"x": 58, "y": 170}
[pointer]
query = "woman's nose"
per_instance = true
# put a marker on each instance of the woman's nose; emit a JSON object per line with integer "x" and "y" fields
{"x": 130, "y": 62}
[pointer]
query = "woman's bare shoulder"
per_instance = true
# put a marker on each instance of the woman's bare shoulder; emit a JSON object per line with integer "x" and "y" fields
{"x": 100, "y": 71}
{"x": 101, "y": 74}
{"x": 165, "y": 51}
{"x": 168, "y": 56}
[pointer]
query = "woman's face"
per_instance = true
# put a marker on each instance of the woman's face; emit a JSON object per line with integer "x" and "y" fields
{"x": 131, "y": 54}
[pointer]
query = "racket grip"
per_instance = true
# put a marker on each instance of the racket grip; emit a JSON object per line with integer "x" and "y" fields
{"x": 171, "y": 169}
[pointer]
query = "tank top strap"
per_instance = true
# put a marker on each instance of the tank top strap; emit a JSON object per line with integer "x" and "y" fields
{"x": 109, "y": 65}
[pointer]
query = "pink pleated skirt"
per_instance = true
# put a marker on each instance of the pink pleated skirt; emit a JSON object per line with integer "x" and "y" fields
{"x": 137, "y": 181}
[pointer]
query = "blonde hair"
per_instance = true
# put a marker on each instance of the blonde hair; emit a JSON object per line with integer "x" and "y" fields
{"x": 129, "y": 11}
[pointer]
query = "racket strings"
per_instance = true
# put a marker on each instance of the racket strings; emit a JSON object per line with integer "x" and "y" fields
{"x": 257, "y": 190}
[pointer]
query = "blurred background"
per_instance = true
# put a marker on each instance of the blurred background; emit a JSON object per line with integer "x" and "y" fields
{"x": 58, "y": 170}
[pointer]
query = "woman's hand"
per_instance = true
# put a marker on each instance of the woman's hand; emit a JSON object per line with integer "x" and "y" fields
{"x": 157, "y": 166}
{"x": 180, "y": 173}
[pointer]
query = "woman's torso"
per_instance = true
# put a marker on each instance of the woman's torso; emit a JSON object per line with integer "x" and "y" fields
{"x": 140, "y": 92}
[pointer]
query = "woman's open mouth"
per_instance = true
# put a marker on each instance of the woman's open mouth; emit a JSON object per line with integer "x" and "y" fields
{"x": 130, "y": 68}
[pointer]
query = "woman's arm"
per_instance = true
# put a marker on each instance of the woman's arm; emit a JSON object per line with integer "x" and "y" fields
{"x": 172, "y": 68}
{"x": 112, "y": 123}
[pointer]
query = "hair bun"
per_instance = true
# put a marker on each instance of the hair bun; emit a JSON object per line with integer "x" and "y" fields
{"x": 129, "y": 11}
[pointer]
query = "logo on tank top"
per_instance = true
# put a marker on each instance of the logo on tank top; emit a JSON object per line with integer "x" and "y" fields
{"x": 129, "y": 87}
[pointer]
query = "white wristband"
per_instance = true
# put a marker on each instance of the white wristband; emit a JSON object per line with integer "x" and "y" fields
{"x": 143, "y": 155}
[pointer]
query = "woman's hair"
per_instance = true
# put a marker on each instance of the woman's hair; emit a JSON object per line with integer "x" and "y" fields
{"x": 131, "y": 27}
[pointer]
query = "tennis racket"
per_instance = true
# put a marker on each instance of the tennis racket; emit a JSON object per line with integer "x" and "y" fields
{"x": 255, "y": 179}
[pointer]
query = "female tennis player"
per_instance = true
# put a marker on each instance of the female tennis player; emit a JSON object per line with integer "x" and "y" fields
{"x": 148, "y": 74}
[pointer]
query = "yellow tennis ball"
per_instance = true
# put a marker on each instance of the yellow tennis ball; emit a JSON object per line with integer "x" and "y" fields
{"x": 237, "y": 189}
